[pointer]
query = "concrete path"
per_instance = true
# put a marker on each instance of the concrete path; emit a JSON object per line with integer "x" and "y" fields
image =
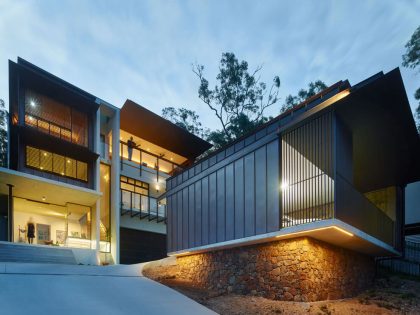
{"x": 64, "y": 289}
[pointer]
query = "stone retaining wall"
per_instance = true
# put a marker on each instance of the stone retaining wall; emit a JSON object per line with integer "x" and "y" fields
{"x": 301, "y": 269}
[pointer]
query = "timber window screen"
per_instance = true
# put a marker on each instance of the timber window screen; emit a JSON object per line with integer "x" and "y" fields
{"x": 54, "y": 163}
{"x": 55, "y": 118}
{"x": 307, "y": 184}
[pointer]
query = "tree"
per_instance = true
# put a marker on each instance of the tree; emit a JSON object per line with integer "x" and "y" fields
{"x": 292, "y": 101}
{"x": 411, "y": 59}
{"x": 3, "y": 134}
{"x": 238, "y": 100}
{"x": 187, "y": 119}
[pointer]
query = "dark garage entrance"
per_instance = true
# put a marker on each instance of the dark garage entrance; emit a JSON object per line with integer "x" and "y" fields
{"x": 140, "y": 246}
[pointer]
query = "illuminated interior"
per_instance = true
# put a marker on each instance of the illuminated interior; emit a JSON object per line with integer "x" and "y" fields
{"x": 151, "y": 153}
{"x": 55, "y": 225}
{"x": 55, "y": 118}
{"x": 105, "y": 223}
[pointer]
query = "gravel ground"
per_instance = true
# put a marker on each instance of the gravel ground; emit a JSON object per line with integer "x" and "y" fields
{"x": 392, "y": 294}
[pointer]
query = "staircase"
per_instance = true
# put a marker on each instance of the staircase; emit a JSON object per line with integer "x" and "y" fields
{"x": 24, "y": 253}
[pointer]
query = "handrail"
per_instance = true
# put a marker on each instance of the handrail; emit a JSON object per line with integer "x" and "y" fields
{"x": 142, "y": 152}
{"x": 143, "y": 213}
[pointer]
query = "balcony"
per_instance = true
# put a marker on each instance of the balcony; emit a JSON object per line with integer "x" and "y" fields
{"x": 145, "y": 207}
{"x": 145, "y": 161}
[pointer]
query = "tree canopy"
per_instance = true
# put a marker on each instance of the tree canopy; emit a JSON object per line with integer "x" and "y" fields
{"x": 411, "y": 59}
{"x": 238, "y": 100}
{"x": 303, "y": 94}
{"x": 3, "y": 134}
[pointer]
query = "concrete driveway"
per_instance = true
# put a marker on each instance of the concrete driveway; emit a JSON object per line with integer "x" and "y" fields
{"x": 64, "y": 289}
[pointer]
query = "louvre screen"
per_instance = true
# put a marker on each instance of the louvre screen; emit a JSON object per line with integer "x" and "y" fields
{"x": 54, "y": 163}
{"x": 56, "y": 119}
{"x": 307, "y": 183}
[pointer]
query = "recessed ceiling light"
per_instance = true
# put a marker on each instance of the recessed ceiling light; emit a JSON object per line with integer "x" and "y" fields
{"x": 43, "y": 198}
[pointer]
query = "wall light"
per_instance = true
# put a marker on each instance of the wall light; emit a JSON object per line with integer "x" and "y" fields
{"x": 284, "y": 185}
{"x": 318, "y": 229}
{"x": 32, "y": 103}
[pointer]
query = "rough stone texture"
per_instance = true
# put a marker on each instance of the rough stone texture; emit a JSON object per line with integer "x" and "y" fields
{"x": 300, "y": 269}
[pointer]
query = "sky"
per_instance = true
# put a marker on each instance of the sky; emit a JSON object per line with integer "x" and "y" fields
{"x": 143, "y": 50}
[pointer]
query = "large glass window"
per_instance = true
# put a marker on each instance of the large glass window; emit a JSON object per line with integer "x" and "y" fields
{"x": 60, "y": 225}
{"x": 134, "y": 194}
{"x": 56, "y": 119}
{"x": 55, "y": 163}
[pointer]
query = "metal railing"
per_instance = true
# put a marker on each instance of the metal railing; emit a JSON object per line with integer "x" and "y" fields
{"x": 143, "y": 206}
{"x": 144, "y": 159}
{"x": 54, "y": 129}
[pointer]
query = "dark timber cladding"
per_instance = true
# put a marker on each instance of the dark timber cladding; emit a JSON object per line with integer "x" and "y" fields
{"x": 220, "y": 203}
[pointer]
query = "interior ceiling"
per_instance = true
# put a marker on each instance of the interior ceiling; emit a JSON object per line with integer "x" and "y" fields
{"x": 139, "y": 121}
{"x": 386, "y": 145}
{"x": 39, "y": 189}
{"x": 153, "y": 148}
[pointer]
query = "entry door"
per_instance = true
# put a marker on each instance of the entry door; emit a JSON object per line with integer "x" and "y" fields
{"x": 43, "y": 233}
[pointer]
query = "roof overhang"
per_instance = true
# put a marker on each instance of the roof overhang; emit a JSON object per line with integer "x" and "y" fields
{"x": 36, "y": 188}
{"x": 149, "y": 126}
{"x": 386, "y": 145}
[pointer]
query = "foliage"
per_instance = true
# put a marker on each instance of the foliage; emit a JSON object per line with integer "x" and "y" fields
{"x": 411, "y": 59}
{"x": 3, "y": 134}
{"x": 292, "y": 101}
{"x": 187, "y": 119}
{"x": 238, "y": 100}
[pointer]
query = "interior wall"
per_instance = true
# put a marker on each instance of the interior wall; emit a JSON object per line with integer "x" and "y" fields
{"x": 56, "y": 223}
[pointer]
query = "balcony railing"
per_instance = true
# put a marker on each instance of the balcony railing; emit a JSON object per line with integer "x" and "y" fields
{"x": 144, "y": 159}
{"x": 54, "y": 129}
{"x": 142, "y": 206}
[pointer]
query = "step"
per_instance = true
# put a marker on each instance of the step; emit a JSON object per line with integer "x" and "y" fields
{"x": 36, "y": 254}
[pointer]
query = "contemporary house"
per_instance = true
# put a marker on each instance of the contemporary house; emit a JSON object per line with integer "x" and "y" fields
{"x": 299, "y": 208}
{"x": 86, "y": 174}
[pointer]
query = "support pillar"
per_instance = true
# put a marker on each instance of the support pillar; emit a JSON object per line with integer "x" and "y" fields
{"x": 115, "y": 188}
{"x": 10, "y": 213}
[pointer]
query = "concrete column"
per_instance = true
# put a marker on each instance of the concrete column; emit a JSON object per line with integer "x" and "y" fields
{"x": 115, "y": 188}
{"x": 10, "y": 213}
{"x": 97, "y": 179}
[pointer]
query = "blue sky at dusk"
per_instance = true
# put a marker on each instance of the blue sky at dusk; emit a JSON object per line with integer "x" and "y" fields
{"x": 143, "y": 50}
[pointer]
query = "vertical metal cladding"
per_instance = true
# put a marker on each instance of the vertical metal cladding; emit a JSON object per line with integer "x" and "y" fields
{"x": 307, "y": 183}
{"x": 229, "y": 200}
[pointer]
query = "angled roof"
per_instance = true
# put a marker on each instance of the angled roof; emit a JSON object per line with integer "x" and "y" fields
{"x": 377, "y": 111}
{"x": 50, "y": 84}
{"x": 149, "y": 126}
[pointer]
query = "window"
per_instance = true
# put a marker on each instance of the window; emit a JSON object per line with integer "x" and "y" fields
{"x": 134, "y": 185}
{"x": 56, "y": 119}
{"x": 56, "y": 163}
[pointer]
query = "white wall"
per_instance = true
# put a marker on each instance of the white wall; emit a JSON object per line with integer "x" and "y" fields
{"x": 412, "y": 203}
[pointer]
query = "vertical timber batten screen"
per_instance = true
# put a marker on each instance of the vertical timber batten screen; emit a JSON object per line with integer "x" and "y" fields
{"x": 307, "y": 183}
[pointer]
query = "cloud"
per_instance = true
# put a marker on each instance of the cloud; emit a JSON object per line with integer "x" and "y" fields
{"x": 144, "y": 50}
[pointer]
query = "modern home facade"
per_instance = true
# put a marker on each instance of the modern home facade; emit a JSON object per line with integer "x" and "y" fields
{"x": 85, "y": 173}
{"x": 299, "y": 207}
